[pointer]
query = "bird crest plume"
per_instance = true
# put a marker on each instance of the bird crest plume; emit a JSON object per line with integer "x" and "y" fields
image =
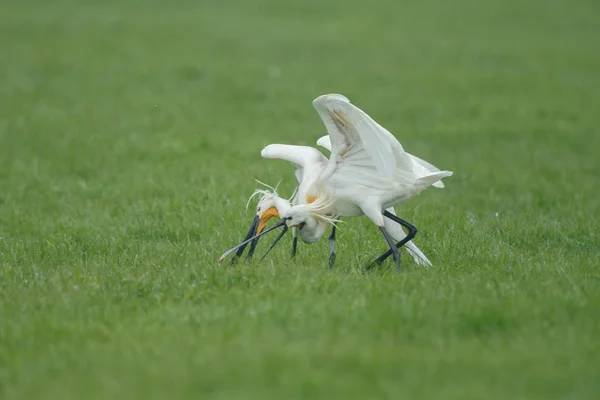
{"x": 293, "y": 194}
{"x": 320, "y": 206}
{"x": 263, "y": 192}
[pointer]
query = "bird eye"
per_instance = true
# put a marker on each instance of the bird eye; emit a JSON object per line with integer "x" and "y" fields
{"x": 288, "y": 218}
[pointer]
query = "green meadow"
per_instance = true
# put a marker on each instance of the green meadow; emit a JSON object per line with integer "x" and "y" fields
{"x": 130, "y": 138}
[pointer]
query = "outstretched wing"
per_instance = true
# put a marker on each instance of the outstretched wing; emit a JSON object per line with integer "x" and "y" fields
{"x": 420, "y": 167}
{"x": 301, "y": 156}
{"x": 359, "y": 141}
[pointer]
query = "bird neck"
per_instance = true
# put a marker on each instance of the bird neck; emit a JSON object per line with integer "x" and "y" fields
{"x": 282, "y": 206}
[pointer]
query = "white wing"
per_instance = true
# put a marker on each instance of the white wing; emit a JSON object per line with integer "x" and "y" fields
{"x": 420, "y": 166}
{"x": 305, "y": 158}
{"x": 325, "y": 142}
{"x": 357, "y": 140}
{"x": 300, "y": 156}
{"x": 424, "y": 164}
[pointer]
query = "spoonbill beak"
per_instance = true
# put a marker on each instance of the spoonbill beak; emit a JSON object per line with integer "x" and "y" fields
{"x": 251, "y": 233}
{"x": 245, "y": 242}
{"x": 258, "y": 225}
{"x": 263, "y": 220}
{"x": 285, "y": 229}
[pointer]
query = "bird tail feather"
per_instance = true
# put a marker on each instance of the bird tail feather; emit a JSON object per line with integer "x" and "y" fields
{"x": 433, "y": 178}
{"x": 417, "y": 255}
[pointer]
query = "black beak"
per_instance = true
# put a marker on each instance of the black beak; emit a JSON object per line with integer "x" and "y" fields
{"x": 285, "y": 229}
{"x": 252, "y": 249}
{"x": 245, "y": 242}
{"x": 251, "y": 233}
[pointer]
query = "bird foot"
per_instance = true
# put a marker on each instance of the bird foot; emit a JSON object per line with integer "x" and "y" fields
{"x": 398, "y": 262}
{"x": 331, "y": 260}
{"x": 374, "y": 264}
{"x": 378, "y": 262}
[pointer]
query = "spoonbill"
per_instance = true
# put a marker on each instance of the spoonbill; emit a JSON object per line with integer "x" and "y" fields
{"x": 367, "y": 174}
{"x": 308, "y": 161}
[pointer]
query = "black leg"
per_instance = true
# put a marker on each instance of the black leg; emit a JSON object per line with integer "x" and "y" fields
{"x": 412, "y": 231}
{"x": 332, "y": 247}
{"x": 277, "y": 239}
{"x": 294, "y": 246}
{"x": 393, "y": 248}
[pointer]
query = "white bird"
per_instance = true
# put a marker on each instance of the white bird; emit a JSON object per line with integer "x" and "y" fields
{"x": 309, "y": 161}
{"x": 421, "y": 168}
{"x": 368, "y": 172}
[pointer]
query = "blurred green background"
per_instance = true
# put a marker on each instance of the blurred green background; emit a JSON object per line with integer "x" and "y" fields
{"x": 130, "y": 135}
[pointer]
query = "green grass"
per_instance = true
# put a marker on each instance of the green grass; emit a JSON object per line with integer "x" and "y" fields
{"x": 130, "y": 134}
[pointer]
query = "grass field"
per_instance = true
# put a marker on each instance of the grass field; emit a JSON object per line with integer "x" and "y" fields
{"x": 130, "y": 135}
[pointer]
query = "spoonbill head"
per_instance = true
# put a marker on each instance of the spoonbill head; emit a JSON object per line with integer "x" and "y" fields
{"x": 270, "y": 205}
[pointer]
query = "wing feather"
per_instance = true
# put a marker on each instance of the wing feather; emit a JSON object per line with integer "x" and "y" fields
{"x": 303, "y": 157}
{"x": 420, "y": 166}
{"x": 423, "y": 168}
{"x": 355, "y": 136}
{"x": 300, "y": 156}
{"x": 325, "y": 142}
